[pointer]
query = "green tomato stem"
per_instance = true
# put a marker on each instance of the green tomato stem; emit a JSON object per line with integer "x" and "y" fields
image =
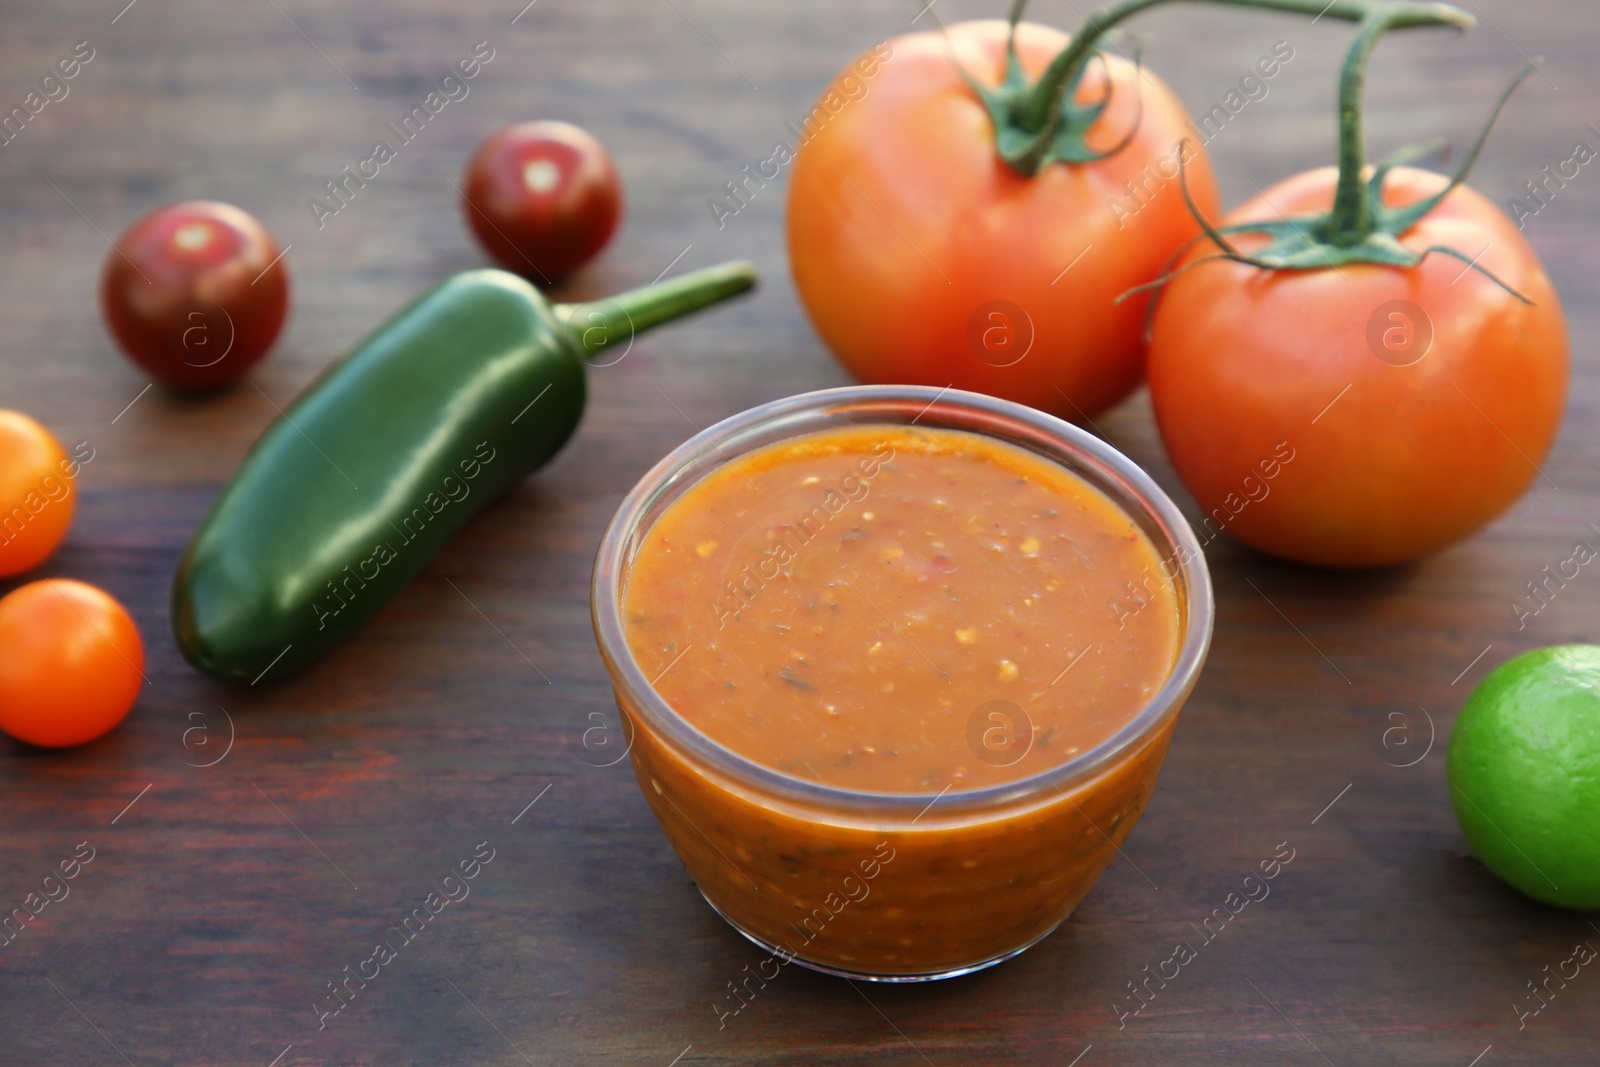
{"x": 1043, "y": 104}
{"x": 1359, "y": 227}
{"x": 1351, "y": 222}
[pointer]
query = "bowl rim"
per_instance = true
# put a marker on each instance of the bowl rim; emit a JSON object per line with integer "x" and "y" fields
{"x": 1099, "y": 463}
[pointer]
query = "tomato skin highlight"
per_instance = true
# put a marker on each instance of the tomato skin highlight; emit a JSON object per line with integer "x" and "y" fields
{"x": 37, "y": 495}
{"x": 71, "y": 663}
{"x": 543, "y": 198}
{"x": 909, "y": 169}
{"x": 195, "y": 293}
{"x": 1395, "y": 455}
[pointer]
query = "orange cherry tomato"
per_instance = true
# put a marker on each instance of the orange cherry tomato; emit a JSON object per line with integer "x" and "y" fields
{"x": 923, "y": 257}
{"x": 37, "y": 496}
{"x": 1365, "y": 415}
{"x": 71, "y": 663}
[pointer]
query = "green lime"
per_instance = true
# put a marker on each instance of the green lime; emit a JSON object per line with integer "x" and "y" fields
{"x": 1524, "y": 773}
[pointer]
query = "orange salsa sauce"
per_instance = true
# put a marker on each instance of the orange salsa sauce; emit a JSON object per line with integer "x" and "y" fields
{"x": 901, "y": 610}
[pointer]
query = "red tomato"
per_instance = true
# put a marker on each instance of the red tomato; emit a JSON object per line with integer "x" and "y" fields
{"x": 1366, "y": 415}
{"x": 71, "y": 663}
{"x": 542, "y": 197}
{"x": 195, "y": 293}
{"x": 923, "y": 257}
{"x": 36, "y": 494}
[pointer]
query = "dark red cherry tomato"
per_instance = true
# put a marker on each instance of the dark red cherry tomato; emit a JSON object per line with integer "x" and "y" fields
{"x": 542, "y": 197}
{"x": 195, "y": 293}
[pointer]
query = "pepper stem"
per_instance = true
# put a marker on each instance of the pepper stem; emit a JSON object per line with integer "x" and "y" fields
{"x": 598, "y": 324}
{"x": 1351, "y": 221}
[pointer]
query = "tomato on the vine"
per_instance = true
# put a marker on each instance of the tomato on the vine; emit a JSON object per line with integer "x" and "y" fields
{"x": 1359, "y": 370}
{"x": 37, "y": 496}
{"x": 543, "y": 198}
{"x": 195, "y": 293}
{"x": 71, "y": 663}
{"x": 967, "y": 204}
{"x": 923, "y": 256}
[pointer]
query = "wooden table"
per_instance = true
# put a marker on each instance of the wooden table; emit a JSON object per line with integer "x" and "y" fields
{"x": 223, "y": 899}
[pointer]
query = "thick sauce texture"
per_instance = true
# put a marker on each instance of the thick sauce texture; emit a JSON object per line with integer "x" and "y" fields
{"x": 901, "y": 610}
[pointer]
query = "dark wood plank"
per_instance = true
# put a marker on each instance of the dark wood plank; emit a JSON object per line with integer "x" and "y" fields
{"x": 221, "y": 903}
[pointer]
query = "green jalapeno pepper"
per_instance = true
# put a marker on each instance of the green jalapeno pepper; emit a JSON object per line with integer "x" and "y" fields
{"x": 350, "y": 493}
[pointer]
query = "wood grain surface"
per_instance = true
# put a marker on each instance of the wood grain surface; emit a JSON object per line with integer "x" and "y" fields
{"x": 223, "y": 899}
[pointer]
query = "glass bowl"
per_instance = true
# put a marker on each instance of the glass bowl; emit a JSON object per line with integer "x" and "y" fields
{"x": 896, "y": 887}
